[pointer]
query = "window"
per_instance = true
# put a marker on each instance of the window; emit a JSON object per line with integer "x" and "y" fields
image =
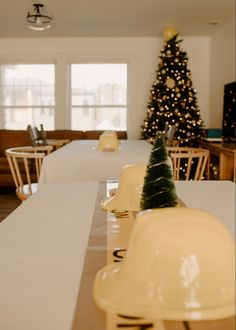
{"x": 27, "y": 95}
{"x": 99, "y": 96}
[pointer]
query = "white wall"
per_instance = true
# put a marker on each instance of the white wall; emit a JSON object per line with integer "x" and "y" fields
{"x": 222, "y": 70}
{"x": 141, "y": 54}
{"x": 198, "y": 51}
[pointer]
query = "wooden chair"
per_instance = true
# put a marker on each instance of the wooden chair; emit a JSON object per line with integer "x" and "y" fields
{"x": 189, "y": 163}
{"x": 169, "y": 136}
{"x": 38, "y": 138}
{"x": 25, "y": 165}
{"x": 35, "y": 136}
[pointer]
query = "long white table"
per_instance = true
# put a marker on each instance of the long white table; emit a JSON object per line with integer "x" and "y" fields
{"x": 42, "y": 248}
{"x": 43, "y": 245}
{"x": 81, "y": 160}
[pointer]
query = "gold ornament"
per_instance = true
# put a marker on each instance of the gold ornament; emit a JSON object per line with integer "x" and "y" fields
{"x": 169, "y": 33}
{"x": 170, "y": 83}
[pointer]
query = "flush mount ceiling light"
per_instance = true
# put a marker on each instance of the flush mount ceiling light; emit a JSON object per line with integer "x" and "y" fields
{"x": 214, "y": 22}
{"x": 37, "y": 19}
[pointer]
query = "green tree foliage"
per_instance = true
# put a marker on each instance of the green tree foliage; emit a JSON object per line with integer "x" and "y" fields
{"x": 158, "y": 188}
{"x": 173, "y": 99}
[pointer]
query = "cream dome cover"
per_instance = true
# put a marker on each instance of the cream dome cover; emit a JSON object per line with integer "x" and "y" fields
{"x": 180, "y": 265}
{"x": 128, "y": 194}
{"x": 108, "y": 141}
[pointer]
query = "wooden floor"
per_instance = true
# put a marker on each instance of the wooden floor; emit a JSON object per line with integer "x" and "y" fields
{"x": 8, "y": 201}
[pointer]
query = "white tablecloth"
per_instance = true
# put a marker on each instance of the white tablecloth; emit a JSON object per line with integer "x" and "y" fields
{"x": 42, "y": 249}
{"x": 216, "y": 197}
{"x": 43, "y": 244}
{"x": 81, "y": 160}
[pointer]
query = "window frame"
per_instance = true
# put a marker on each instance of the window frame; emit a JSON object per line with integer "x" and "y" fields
{"x": 29, "y": 107}
{"x": 101, "y": 106}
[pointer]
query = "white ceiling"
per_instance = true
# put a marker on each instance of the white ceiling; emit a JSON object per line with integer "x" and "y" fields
{"x": 77, "y": 18}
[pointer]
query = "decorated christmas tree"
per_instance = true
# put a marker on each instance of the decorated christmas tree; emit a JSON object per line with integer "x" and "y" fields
{"x": 158, "y": 189}
{"x": 173, "y": 100}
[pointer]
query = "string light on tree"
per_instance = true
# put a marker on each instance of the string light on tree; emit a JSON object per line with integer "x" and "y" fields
{"x": 173, "y": 99}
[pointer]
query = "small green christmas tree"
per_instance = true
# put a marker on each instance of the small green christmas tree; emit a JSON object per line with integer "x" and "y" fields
{"x": 158, "y": 188}
{"x": 173, "y": 100}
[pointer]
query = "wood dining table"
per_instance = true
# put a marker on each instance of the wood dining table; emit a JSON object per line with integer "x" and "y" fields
{"x": 82, "y": 160}
{"x": 53, "y": 244}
